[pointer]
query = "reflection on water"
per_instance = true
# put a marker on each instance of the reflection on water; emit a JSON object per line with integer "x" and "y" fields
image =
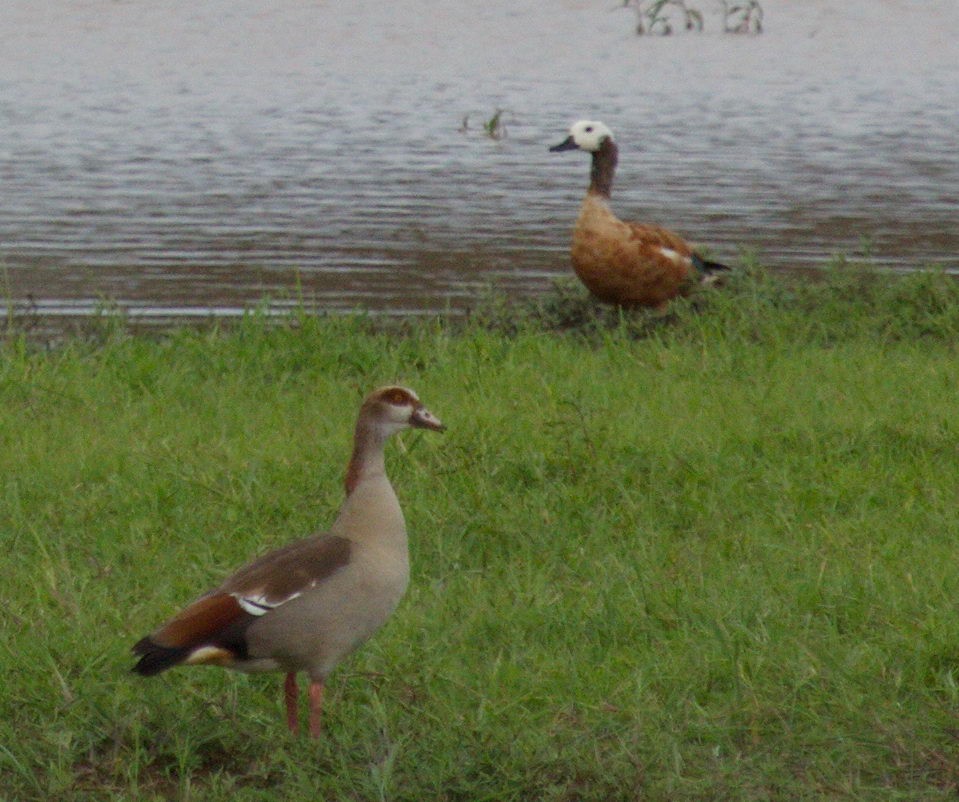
{"x": 184, "y": 156}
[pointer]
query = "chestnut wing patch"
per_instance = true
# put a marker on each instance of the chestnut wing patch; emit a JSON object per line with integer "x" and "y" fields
{"x": 200, "y": 622}
{"x": 218, "y": 621}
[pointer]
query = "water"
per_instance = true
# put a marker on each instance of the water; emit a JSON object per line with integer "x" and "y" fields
{"x": 194, "y": 156}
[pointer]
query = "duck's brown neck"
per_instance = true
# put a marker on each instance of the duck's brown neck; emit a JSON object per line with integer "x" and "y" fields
{"x": 603, "y": 169}
{"x": 367, "y": 459}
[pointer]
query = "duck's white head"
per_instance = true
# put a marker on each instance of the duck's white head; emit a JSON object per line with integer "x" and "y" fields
{"x": 587, "y": 135}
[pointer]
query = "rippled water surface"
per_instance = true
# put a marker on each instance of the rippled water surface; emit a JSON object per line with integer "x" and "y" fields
{"x": 197, "y": 155}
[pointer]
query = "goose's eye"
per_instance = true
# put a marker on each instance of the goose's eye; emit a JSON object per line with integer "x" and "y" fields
{"x": 589, "y": 129}
{"x": 397, "y": 397}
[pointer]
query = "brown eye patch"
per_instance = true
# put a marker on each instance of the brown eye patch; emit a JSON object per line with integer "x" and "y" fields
{"x": 398, "y": 397}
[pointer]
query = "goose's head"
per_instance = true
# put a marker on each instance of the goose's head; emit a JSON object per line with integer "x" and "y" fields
{"x": 393, "y": 408}
{"x": 587, "y": 135}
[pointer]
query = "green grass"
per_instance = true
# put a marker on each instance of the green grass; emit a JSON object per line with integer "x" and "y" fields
{"x": 708, "y": 555}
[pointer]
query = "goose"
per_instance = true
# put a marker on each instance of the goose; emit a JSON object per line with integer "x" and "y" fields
{"x": 306, "y": 605}
{"x": 628, "y": 264}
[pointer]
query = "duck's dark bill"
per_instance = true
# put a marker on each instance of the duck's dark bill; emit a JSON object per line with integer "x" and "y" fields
{"x": 566, "y": 144}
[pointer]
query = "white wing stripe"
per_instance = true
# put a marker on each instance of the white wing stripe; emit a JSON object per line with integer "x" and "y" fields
{"x": 260, "y": 605}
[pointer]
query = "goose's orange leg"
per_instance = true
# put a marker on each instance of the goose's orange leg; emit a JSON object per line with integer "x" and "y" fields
{"x": 316, "y": 707}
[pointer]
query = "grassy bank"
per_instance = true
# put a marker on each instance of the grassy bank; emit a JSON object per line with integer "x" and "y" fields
{"x": 711, "y": 555}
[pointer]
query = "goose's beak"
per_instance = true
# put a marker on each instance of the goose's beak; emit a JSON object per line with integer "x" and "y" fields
{"x": 422, "y": 418}
{"x": 566, "y": 144}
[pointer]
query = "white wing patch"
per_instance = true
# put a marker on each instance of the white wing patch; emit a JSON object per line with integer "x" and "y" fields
{"x": 259, "y": 604}
{"x": 669, "y": 253}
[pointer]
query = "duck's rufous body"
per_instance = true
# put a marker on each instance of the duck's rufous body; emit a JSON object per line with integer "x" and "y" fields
{"x": 628, "y": 264}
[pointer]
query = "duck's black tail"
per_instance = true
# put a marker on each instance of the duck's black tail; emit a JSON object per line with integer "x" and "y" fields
{"x": 707, "y": 268}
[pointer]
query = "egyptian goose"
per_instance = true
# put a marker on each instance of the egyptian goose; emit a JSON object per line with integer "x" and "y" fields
{"x": 305, "y": 606}
{"x": 629, "y": 264}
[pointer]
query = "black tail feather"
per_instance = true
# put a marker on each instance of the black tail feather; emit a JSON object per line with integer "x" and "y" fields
{"x": 706, "y": 267}
{"x": 155, "y": 658}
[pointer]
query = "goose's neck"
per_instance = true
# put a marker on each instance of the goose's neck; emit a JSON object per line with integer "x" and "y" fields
{"x": 603, "y": 169}
{"x": 367, "y": 460}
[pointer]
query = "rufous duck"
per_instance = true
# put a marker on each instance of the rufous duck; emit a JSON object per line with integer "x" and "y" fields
{"x": 628, "y": 264}
{"x": 305, "y": 606}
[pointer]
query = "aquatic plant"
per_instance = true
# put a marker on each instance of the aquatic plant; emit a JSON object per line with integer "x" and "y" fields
{"x": 657, "y": 17}
{"x": 662, "y": 16}
{"x": 494, "y": 127}
{"x": 742, "y": 17}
